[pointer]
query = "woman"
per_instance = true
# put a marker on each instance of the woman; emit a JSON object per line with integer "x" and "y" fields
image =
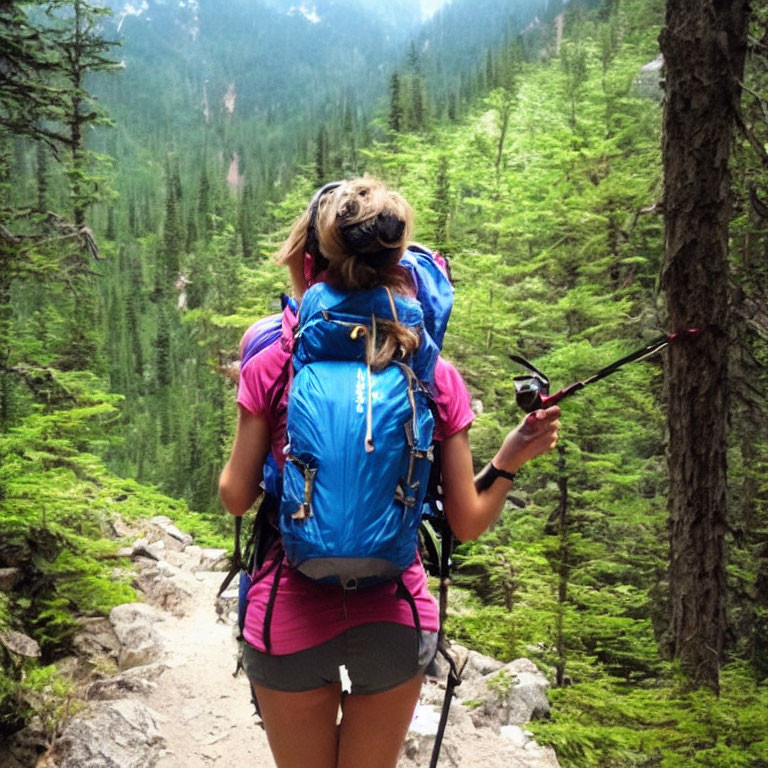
{"x": 321, "y": 638}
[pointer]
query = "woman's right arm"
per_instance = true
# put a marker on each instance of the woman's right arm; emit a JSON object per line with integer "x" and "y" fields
{"x": 470, "y": 511}
{"x": 239, "y": 483}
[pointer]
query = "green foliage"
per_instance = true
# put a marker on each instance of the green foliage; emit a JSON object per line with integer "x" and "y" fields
{"x": 603, "y": 723}
{"x": 55, "y": 526}
{"x": 50, "y": 695}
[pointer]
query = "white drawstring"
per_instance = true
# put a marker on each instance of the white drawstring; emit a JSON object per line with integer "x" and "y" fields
{"x": 369, "y": 416}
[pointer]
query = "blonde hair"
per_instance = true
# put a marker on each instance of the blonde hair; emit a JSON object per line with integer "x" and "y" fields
{"x": 361, "y": 229}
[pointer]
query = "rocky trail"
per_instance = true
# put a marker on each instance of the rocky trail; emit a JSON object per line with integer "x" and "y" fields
{"x": 160, "y": 691}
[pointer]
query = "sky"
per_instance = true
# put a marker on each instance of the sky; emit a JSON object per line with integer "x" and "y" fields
{"x": 429, "y": 7}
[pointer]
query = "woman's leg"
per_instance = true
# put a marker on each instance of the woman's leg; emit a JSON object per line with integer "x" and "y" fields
{"x": 373, "y": 726}
{"x": 301, "y": 727}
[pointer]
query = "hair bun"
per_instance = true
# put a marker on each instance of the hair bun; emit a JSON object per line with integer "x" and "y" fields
{"x": 381, "y": 230}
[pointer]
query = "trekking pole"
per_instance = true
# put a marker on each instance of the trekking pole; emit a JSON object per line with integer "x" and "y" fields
{"x": 454, "y": 673}
{"x": 532, "y": 391}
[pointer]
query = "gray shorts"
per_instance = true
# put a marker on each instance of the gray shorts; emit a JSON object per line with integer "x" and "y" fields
{"x": 376, "y": 656}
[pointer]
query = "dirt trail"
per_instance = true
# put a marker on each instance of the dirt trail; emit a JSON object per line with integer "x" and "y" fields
{"x": 207, "y": 718}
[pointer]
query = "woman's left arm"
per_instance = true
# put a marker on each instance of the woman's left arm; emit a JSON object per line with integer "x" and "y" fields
{"x": 469, "y": 511}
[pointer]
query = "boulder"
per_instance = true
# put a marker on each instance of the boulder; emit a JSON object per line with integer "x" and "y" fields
{"x": 648, "y": 82}
{"x": 143, "y": 549}
{"x": 19, "y": 644}
{"x": 515, "y": 735}
{"x": 161, "y": 587}
{"x": 139, "y": 643}
{"x": 194, "y": 552}
{"x": 527, "y": 699}
{"x": 23, "y": 748}
{"x": 169, "y": 529}
{"x": 97, "y": 643}
{"x": 420, "y": 739}
{"x": 512, "y": 695}
{"x": 135, "y": 681}
{"x": 117, "y": 734}
{"x": 214, "y": 560}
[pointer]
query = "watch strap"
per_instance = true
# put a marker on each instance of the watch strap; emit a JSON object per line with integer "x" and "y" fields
{"x": 489, "y": 474}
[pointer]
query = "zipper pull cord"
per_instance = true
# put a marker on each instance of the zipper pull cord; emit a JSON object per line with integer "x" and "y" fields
{"x": 369, "y": 415}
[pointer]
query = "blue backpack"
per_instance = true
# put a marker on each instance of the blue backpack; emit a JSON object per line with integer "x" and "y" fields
{"x": 359, "y": 442}
{"x": 359, "y": 447}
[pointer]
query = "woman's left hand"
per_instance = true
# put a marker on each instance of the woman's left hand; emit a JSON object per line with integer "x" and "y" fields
{"x": 535, "y": 435}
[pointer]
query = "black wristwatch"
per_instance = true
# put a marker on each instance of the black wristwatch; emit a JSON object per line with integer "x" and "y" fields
{"x": 488, "y": 476}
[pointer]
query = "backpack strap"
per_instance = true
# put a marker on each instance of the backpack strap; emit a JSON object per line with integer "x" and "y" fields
{"x": 237, "y": 558}
{"x": 267, "y": 630}
{"x": 405, "y": 593}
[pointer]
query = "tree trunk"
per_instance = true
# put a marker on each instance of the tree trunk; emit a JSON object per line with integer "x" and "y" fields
{"x": 704, "y": 45}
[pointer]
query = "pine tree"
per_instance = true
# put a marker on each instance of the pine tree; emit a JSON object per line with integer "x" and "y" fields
{"x": 322, "y": 160}
{"x": 173, "y": 234}
{"x": 396, "y": 121}
{"x": 442, "y": 202}
{"x": 245, "y": 221}
{"x": 163, "y": 371}
{"x": 204, "y": 212}
{"x": 573, "y": 60}
{"x": 704, "y": 49}
{"x": 83, "y": 51}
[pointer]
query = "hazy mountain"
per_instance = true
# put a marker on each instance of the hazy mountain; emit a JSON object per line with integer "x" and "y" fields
{"x": 274, "y": 53}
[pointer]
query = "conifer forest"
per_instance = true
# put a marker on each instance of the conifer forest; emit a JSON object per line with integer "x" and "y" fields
{"x": 596, "y": 173}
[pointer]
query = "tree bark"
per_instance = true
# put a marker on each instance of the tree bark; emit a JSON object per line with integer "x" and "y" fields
{"x": 704, "y": 46}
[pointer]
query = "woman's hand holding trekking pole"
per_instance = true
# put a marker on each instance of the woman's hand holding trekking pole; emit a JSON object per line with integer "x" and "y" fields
{"x": 535, "y": 435}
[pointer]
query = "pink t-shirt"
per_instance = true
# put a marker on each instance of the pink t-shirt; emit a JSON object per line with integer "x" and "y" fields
{"x": 306, "y": 613}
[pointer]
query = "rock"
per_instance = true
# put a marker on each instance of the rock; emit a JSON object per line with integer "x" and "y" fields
{"x": 8, "y": 578}
{"x": 648, "y": 82}
{"x": 159, "y": 583}
{"x": 24, "y": 747}
{"x": 19, "y": 644}
{"x": 527, "y": 698}
{"x": 425, "y": 721}
{"x": 97, "y": 642}
{"x": 512, "y": 695}
{"x": 477, "y": 406}
{"x": 513, "y": 734}
{"x": 142, "y": 548}
{"x": 194, "y": 552}
{"x": 214, "y": 560}
{"x": 479, "y": 664}
{"x": 119, "y": 734}
{"x": 125, "y": 552}
{"x": 139, "y": 643}
{"x": 135, "y": 681}
{"x": 420, "y": 739}
{"x": 71, "y": 667}
{"x": 165, "y": 524}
